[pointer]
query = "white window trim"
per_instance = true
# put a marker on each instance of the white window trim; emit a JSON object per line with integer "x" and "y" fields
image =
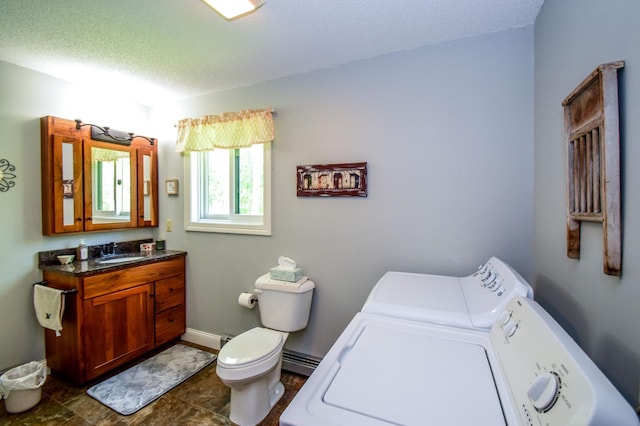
{"x": 226, "y": 226}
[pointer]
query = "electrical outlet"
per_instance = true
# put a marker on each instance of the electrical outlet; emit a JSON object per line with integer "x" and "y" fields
{"x": 169, "y": 225}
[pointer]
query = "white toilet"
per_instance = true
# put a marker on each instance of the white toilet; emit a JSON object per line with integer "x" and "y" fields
{"x": 250, "y": 363}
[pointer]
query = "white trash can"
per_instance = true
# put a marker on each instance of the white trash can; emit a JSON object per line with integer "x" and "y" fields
{"x": 21, "y": 387}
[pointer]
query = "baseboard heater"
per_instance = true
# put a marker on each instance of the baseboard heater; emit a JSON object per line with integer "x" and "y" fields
{"x": 295, "y": 362}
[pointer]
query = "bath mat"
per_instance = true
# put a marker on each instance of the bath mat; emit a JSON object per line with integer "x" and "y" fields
{"x": 140, "y": 385}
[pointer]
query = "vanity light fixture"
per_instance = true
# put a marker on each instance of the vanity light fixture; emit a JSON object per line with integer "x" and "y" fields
{"x": 231, "y": 9}
{"x": 107, "y": 134}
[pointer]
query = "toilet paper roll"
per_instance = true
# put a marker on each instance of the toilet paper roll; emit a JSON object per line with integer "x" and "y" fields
{"x": 247, "y": 300}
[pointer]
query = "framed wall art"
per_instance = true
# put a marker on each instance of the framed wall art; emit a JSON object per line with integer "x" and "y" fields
{"x": 171, "y": 186}
{"x": 332, "y": 180}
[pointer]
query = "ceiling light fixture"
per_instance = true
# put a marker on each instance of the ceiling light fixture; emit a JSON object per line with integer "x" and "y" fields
{"x": 231, "y": 9}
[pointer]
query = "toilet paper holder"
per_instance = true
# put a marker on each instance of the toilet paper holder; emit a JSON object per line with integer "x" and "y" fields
{"x": 248, "y": 300}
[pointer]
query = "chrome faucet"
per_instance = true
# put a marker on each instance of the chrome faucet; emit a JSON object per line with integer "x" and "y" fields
{"x": 109, "y": 249}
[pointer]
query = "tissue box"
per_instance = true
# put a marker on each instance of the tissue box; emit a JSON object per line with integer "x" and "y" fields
{"x": 147, "y": 247}
{"x": 290, "y": 275}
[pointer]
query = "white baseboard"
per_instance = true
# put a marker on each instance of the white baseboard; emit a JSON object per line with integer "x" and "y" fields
{"x": 202, "y": 338}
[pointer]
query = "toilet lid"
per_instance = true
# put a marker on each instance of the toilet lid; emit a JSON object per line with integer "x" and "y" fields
{"x": 250, "y": 346}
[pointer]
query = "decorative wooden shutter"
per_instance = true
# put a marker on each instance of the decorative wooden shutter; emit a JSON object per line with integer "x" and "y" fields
{"x": 591, "y": 121}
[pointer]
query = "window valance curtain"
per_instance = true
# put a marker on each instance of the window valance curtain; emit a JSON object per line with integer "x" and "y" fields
{"x": 229, "y": 130}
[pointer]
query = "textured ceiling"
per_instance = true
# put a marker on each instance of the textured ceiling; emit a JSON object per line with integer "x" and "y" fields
{"x": 164, "y": 49}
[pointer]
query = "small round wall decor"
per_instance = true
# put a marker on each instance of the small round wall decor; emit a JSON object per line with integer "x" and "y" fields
{"x": 6, "y": 177}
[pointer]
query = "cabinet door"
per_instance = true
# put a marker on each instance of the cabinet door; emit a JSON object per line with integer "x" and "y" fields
{"x": 110, "y": 173}
{"x": 147, "y": 187}
{"x": 118, "y": 328}
{"x": 67, "y": 187}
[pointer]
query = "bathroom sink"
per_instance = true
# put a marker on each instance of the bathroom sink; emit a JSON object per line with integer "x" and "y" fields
{"x": 119, "y": 259}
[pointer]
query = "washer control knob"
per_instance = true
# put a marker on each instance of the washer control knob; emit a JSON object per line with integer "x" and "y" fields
{"x": 510, "y": 328}
{"x": 505, "y": 317}
{"x": 481, "y": 269}
{"x": 544, "y": 391}
{"x": 496, "y": 284}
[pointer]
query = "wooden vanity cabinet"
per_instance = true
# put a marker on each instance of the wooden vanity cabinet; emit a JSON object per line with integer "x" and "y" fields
{"x": 116, "y": 317}
{"x": 90, "y": 185}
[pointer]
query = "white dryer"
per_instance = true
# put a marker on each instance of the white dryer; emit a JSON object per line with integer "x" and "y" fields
{"x": 525, "y": 371}
{"x": 472, "y": 302}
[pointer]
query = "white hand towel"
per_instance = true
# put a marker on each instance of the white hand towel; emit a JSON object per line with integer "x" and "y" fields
{"x": 49, "y": 305}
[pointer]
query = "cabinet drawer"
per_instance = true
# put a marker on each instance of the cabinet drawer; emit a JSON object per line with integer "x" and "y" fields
{"x": 170, "y": 324}
{"x": 169, "y": 293}
{"x": 108, "y": 282}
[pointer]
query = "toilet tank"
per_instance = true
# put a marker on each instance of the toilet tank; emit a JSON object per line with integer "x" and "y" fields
{"x": 284, "y": 306}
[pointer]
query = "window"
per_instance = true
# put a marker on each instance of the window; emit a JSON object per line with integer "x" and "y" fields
{"x": 229, "y": 190}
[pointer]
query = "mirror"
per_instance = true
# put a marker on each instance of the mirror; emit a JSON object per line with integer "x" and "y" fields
{"x": 111, "y": 185}
{"x": 146, "y": 182}
{"x": 147, "y": 187}
{"x": 110, "y": 197}
{"x": 67, "y": 191}
{"x": 68, "y": 217}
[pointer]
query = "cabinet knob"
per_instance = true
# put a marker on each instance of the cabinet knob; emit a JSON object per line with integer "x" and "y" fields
{"x": 170, "y": 319}
{"x": 171, "y": 289}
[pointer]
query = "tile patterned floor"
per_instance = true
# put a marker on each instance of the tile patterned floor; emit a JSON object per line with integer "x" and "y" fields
{"x": 201, "y": 400}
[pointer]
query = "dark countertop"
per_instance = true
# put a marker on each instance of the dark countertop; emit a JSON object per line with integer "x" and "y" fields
{"x": 92, "y": 265}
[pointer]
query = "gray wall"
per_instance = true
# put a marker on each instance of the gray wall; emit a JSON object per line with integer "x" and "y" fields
{"x": 572, "y": 37}
{"x": 447, "y": 134}
{"x": 25, "y": 96}
{"x": 446, "y": 131}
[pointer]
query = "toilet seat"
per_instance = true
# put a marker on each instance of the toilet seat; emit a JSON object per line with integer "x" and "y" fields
{"x": 251, "y": 354}
{"x": 252, "y": 347}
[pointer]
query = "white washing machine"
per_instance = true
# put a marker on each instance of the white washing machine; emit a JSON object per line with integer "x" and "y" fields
{"x": 472, "y": 302}
{"x": 525, "y": 371}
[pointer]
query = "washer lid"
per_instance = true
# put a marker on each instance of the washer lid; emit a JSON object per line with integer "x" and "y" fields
{"x": 426, "y": 380}
{"x": 249, "y": 347}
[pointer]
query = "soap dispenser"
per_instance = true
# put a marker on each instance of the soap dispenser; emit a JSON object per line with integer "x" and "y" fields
{"x": 83, "y": 251}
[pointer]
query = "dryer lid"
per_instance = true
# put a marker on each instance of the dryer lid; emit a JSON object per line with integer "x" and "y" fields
{"x": 249, "y": 347}
{"x": 419, "y": 297}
